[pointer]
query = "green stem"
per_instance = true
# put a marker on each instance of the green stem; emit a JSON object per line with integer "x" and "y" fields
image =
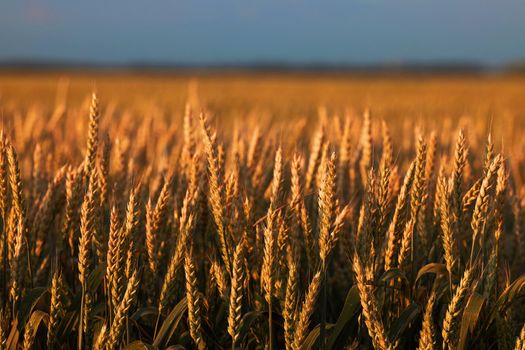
{"x": 30, "y": 269}
{"x": 270, "y": 327}
{"x": 81, "y": 319}
{"x": 322, "y": 334}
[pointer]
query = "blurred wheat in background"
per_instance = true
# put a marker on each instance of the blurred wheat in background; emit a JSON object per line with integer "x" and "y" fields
{"x": 280, "y": 213}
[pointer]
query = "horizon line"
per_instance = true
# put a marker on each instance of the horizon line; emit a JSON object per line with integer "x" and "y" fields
{"x": 415, "y": 66}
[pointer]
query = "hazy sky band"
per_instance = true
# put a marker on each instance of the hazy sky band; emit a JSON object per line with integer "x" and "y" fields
{"x": 287, "y": 31}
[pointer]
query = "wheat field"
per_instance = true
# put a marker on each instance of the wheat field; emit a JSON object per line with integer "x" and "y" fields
{"x": 262, "y": 212}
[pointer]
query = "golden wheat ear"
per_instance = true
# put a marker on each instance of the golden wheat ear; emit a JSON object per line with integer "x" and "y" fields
{"x": 194, "y": 300}
{"x": 92, "y": 141}
{"x": 451, "y": 322}
{"x": 216, "y": 189}
{"x": 236, "y": 293}
{"x": 307, "y": 308}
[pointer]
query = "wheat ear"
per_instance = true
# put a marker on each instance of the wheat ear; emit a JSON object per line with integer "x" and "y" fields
{"x": 307, "y": 308}
{"x": 118, "y": 322}
{"x": 454, "y": 310}
{"x": 236, "y": 293}
{"x": 194, "y": 303}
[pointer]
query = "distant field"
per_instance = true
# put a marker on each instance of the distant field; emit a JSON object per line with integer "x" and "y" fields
{"x": 281, "y": 96}
{"x": 412, "y": 95}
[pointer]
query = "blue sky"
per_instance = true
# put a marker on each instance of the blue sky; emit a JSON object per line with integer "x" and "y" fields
{"x": 293, "y": 31}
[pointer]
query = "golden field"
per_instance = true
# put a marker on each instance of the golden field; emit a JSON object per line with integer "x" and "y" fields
{"x": 279, "y": 211}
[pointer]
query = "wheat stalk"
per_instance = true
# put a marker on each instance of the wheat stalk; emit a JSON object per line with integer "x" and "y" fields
{"x": 427, "y": 336}
{"x": 117, "y": 326}
{"x": 92, "y": 142}
{"x": 290, "y": 305}
{"x": 371, "y": 312}
{"x": 307, "y": 308}
{"x": 236, "y": 293}
{"x": 56, "y": 309}
{"x": 194, "y": 303}
{"x": 455, "y": 309}
{"x": 216, "y": 191}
